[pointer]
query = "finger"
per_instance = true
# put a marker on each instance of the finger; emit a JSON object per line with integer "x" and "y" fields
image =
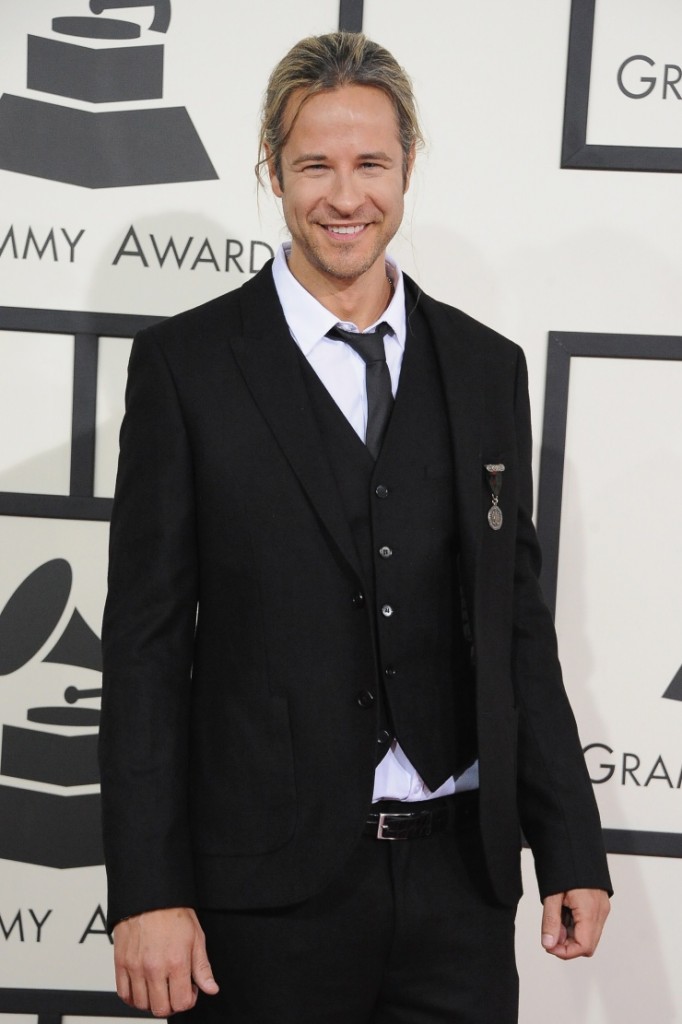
{"x": 586, "y": 937}
{"x": 123, "y": 987}
{"x": 201, "y": 968}
{"x": 582, "y": 942}
{"x": 159, "y": 997}
{"x": 560, "y": 948}
{"x": 181, "y": 991}
{"x": 571, "y": 950}
{"x": 589, "y": 908}
{"x": 551, "y": 920}
{"x": 139, "y": 991}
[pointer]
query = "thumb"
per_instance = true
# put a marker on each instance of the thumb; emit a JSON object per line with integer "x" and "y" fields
{"x": 551, "y": 920}
{"x": 201, "y": 969}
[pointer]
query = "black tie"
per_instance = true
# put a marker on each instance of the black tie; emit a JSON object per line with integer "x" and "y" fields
{"x": 379, "y": 394}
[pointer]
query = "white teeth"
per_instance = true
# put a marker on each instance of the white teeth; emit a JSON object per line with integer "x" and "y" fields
{"x": 352, "y": 230}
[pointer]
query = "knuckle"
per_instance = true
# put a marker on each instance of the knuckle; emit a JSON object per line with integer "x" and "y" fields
{"x": 150, "y": 966}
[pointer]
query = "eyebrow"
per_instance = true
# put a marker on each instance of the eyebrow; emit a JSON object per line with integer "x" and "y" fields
{"x": 319, "y": 157}
{"x": 379, "y": 155}
{"x": 308, "y": 157}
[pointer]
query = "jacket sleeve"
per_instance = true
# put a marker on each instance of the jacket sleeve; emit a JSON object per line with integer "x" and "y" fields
{"x": 557, "y": 807}
{"x": 147, "y": 637}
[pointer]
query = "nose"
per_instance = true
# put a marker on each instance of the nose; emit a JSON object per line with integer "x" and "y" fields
{"x": 346, "y": 193}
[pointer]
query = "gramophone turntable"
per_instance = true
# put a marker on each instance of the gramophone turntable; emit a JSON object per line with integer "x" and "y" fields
{"x": 49, "y": 806}
{"x": 100, "y": 61}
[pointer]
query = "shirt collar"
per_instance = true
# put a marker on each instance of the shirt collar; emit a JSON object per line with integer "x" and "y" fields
{"x": 309, "y": 320}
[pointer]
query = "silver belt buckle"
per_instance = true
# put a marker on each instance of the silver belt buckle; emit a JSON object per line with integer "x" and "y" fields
{"x": 384, "y": 820}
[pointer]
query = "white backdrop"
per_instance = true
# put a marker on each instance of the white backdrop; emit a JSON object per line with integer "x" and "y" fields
{"x": 495, "y": 226}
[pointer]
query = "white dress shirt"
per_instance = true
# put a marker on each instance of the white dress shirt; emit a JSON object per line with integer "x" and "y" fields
{"x": 342, "y": 371}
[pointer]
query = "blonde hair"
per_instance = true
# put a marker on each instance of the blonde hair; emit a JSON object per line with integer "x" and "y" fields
{"x": 323, "y": 63}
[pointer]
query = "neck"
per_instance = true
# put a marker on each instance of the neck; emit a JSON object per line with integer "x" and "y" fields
{"x": 359, "y": 300}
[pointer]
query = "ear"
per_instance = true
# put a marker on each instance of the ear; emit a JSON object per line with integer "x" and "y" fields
{"x": 275, "y": 183}
{"x": 409, "y": 166}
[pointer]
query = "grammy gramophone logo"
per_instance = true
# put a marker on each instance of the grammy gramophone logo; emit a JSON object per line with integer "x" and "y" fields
{"x": 102, "y": 62}
{"x": 49, "y": 793}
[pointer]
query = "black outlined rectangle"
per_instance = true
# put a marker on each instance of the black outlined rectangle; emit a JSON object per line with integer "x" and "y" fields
{"x": 562, "y": 347}
{"x": 50, "y": 1005}
{"x": 86, "y": 330}
{"x": 350, "y": 15}
{"x": 575, "y": 152}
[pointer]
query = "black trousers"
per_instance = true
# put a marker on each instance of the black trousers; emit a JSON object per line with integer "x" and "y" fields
{"x": 408, "y": 934}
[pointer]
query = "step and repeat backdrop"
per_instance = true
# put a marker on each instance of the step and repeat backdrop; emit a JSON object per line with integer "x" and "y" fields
{"x": 547, "y": 204}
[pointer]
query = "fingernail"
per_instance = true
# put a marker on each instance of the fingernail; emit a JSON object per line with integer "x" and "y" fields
{"x": 547, "y": 940}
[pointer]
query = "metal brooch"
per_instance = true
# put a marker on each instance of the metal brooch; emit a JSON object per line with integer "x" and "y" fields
{"x": 495, "y": 471}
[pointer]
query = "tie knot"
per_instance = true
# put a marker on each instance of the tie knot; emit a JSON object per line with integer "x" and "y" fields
{"x": 370, "y": 346}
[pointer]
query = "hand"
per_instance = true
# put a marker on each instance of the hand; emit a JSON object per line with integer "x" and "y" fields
{"x": 161, "y": 962}
{"x": 588, "y": 908}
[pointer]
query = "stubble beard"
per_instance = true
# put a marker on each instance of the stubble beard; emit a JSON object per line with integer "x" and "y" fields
{"x": 346, "y": 267}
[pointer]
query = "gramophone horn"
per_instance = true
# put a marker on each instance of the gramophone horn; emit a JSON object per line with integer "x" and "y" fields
{"x": 32, "y": 613}
{"x": 78, "y": 646}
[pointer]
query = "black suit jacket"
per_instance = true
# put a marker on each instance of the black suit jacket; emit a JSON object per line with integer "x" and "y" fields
{"x": 237, "y": 766}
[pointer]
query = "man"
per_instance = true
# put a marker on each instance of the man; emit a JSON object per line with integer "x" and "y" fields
{"x": 324, "y": 628}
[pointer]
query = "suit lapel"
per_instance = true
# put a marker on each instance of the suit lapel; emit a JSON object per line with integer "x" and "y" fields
{"x": 461, "y": 365}
{"x": 267, "y": 357}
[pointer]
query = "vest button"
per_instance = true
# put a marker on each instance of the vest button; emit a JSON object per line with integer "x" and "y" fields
{"x": 359, "y": 600}
{"x": 386, "y": 610}
{"x": 385, "y": 551}
{"x": 390, "y": 672}
{"x": 365, "y": 699}
{"x": 384, "y": 737}
{"x": 381, "y": 491}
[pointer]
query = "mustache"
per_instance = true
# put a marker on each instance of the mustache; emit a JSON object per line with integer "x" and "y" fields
{"x": 331, "y": 216}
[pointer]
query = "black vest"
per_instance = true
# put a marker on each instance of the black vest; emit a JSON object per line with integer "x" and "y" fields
{"x": 402, "y": 514}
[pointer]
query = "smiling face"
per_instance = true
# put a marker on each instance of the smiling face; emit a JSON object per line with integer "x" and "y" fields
{"x": 342, "y": 183}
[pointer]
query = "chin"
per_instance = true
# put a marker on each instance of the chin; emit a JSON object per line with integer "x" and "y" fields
{"x": 347, "y": 269}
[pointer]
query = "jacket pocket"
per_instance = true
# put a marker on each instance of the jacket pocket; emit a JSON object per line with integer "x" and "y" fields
{"x": 244, "y": 794}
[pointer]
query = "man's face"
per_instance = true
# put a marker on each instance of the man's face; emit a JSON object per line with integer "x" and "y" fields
{"x": 342, "y": 184}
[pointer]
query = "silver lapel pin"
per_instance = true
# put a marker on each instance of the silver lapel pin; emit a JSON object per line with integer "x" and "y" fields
{"x": 495, "y": 471}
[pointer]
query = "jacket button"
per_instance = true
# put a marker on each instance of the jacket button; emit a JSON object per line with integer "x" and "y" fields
{"x": 381, "y": 491}
{"x": 390, "y": 672}
{"x": 359, "y": 600}
{"x": 384, "y": 737}
{"x": 385, "y": 551}
{"x": 386, "y": 610}
{"x": 365, "y": 699}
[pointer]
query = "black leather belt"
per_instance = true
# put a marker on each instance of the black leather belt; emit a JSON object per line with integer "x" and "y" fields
{"x": 422, "y": 819}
